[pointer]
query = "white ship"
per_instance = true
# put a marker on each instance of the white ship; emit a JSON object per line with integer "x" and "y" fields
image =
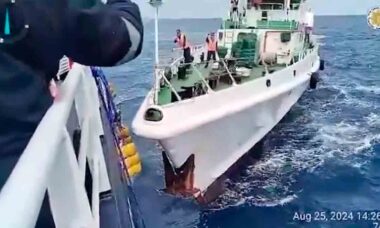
{"x": 206, "y": 118}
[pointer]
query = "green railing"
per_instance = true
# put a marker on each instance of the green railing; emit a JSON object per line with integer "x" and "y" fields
{"x": 279, "y": 25}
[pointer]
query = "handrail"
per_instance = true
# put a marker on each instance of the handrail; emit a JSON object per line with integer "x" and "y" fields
{"x": 199, "y": 74}
{"x": 52, "y": 165}
{"x": 193, "y": 47}
{"x": 170, "y": 86}
{"x": 229, "y": 72}
{"x": 156, "y": 86}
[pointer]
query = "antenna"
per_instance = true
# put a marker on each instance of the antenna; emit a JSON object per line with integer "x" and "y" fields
{"x": 156, "y": 4}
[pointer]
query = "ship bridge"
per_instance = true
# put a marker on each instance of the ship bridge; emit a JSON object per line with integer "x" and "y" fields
{"x": 263, "y": 13}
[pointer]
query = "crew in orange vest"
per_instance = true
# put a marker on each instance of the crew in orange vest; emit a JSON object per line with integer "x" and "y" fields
{"x": 212, "y": 46}
{"x": 183, "y": 43}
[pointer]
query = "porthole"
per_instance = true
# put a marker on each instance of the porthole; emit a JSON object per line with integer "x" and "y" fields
{"x": 268, "y": 83}
{"x": 153, "y": 114}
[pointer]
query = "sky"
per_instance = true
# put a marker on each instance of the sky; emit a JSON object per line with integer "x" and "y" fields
{"x": 219, "y": 8}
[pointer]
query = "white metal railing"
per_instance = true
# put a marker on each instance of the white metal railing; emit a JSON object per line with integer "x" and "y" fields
{"x": 229, "y": 73}
{"x": 271, "y": 6}
{"x": 49, "y": 163}
{"x": 193, "y": 48}
{"x": 160, "y": 75}
{"x": 170, "y": 85}
{"x": 64, "y": 66}
{"x": 197, "y": 50}
{"x": 202, "y": 78}
{"x": 159, "y": 72}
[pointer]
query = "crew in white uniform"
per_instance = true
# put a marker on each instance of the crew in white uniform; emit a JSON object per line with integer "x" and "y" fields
{"x": 309, "y": 24}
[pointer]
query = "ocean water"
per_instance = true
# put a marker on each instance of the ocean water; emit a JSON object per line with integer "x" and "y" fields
{"x": 324, "y": 156}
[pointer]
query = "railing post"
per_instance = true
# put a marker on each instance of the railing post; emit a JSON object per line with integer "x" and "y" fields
{"x": 88, "y": 109}
{"x": 84, "y": 148}
{"x": 156, "y": 84}
{"x": 95, "y": 191}
{"x": 202, "y": 79}
{"x": 229, "y": 72}
{"x": 67, "y": 195}
{"x": 170, "y": 86}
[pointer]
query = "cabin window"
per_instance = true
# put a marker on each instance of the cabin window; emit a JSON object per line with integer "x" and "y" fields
{"x": 246, "y": 36}
{"x": 286, "y": 37}
{"x": 277, "y": 6}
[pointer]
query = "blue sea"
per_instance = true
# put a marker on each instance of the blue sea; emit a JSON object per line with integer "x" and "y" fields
{"x": 322, "y": 159}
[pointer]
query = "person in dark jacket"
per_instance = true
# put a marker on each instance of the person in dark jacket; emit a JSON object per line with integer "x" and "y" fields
{"x": 36, "y": 35}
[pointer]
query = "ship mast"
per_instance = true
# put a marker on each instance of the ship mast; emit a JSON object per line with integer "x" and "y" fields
{"x": 156, "y": 4}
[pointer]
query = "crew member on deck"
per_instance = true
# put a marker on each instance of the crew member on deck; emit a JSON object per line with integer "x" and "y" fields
{"x": 212, "y": 47}
{"x": 183, "y": 43}
{"x": 105, "y": 35}
{"x": 309, "y": 24}
{"x": 234, "y": 10}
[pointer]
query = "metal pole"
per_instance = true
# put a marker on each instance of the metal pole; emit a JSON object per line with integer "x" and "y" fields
{"x": 156, "y": 37}
{"x": 287, "y": 7}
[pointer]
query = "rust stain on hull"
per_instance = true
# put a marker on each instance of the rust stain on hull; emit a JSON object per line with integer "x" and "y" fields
{"x": 180, "y": 181}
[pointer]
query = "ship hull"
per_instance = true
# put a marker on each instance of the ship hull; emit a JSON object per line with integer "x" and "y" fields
{"x": 205, "y": 136}
{"x": 217, "y": 145}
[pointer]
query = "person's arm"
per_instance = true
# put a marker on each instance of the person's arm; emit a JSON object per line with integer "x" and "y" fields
{"x": 207, "y": 40}
{"x": 106, "y": 35}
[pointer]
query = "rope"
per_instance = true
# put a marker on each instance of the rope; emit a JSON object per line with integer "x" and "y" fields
{"x": 112, "y": 116}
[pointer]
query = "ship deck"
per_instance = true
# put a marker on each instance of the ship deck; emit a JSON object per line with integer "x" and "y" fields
{"x": 217, "y": 79}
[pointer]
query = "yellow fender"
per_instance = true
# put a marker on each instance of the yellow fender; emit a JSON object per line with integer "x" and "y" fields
{"x": 123, "y": 132}
{"x": 127, "y": 140}
{"x": 129, "y": 150}
{"x": 134, "y": 170}
{"x": 132, "y": 160}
